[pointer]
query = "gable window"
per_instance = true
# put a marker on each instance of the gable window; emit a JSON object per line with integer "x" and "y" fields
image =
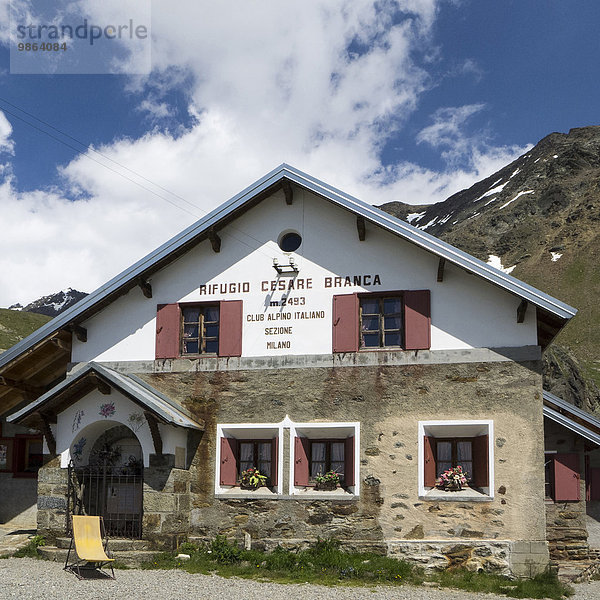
{"x": 195, "y": 330}
{"x": 395, "y": 320}
{"x": 445, "y": 445}
{"x": 200, "y": 329}
{"x": 381, "y": 322}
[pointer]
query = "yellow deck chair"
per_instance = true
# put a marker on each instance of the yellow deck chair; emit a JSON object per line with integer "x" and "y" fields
{"x": 90, "y": 551}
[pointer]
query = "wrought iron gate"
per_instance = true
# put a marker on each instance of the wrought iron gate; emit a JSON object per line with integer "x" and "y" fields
{"x": 114, "y": 493}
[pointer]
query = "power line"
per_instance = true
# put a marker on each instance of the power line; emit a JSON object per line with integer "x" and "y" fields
{"x": 88, "y": 148}
{"x": 86, "y": 155}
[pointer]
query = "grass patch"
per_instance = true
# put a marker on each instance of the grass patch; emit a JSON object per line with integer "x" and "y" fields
{"x": 325, "y": 563}
{"x": 545, "y": 585}
{"x": 15, "y": 325}
{"x": 30, "y": 550}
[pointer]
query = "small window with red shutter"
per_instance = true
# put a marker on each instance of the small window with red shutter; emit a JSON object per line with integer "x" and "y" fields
{"x": 448, "y": 445}
{"x": 322, "y": 449}
{"x": 400, "y": 320}
{"x": 199, "y": 329}
{"x": 244, "y": 451}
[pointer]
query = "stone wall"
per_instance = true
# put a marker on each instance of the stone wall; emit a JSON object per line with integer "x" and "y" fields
{"x": 388, "y": 402}
{"x": 166, "y": 520}
{"x": 52, "y": 500}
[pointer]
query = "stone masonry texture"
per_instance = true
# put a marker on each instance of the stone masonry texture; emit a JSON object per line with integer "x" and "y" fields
{"x": 388, "y": 402}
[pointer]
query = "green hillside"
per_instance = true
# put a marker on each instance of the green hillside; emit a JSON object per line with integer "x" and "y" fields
{"x": 16, "y": 325}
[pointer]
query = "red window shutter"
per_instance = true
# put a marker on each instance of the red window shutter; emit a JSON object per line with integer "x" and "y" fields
{"x": 349, "y": 461}
{"x": 228, "y": 475}
{"x": 417, "y": 320}
{"x": 274, "y": 457}
{"x": 345, "y": 323}
{"x": 594, "y": 484}
{"x": 429, "y": 461}
{"x": 566, "y": 477}
{"x": 301, "y": 449}
{"x": 481, "y": 464}
{"x": 230, "y": 328}
{"x": 167, "y": 331}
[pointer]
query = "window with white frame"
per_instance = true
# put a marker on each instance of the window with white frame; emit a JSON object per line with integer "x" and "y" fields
{"x": 322, "y": 448}
{"x": 445, "y": 445}
{"x": 242, "y": 448}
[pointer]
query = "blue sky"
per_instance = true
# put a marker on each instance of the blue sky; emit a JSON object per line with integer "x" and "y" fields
{"x": 407, "y": 100}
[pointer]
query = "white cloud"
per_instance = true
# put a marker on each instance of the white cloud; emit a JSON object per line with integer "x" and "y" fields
{"x": 6, "y": 143}
{"x": 320, "y": 85}
{"x": 448, "y": 131}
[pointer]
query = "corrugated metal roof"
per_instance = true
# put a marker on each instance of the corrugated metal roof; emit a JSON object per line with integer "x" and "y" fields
{"x": 133, "y": 387}
{"x": 412, "y": 234}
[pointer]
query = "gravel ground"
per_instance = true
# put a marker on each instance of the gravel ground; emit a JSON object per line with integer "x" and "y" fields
{"x": 25, "y": 578}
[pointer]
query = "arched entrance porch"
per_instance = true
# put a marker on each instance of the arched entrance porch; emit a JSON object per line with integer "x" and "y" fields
{"x": 106, "y": 477}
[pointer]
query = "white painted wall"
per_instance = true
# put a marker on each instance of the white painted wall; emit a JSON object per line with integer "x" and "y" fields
{"x": 467, "y": 312}
{"x": 83, "y": 420}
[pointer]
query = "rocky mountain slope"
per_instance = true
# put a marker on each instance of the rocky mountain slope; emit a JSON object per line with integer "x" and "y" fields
{"x": 539, "y": 218}
{"x": 53, "y": 304}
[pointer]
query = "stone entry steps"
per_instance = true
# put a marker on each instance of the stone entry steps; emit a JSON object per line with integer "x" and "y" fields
{"x": 576, "y": 571}
{"x": 129, "y": 552}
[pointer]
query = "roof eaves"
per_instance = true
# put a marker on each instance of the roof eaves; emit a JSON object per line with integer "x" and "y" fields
{"x": 145, "y": 394}
{"x": 571, "y": 408}
{"x": 571, "y": 425}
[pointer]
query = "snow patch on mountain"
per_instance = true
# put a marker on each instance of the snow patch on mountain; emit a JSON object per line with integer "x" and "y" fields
{"x": 516, "y": 198}
{"x": 432, "y": 222}
{"x": 414, "y": 216}
{"x": 492, "y": 192}
{"x": 496, "y": 262}
{"x": 52, "y": 304}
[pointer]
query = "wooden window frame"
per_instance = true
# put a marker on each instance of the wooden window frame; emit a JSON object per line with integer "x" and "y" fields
{"x": 454, "y": 459}
{"x": 380, "y": 297}
{"x": 328, "y": 441}
{"x": 202, "y": 338}
{"x": 255, "y": 442}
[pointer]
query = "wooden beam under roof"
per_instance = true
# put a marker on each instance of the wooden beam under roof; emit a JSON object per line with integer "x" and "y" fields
{"x": 440, "y": 272}
{"x": 215, "y": 240}
{"x": 47, "y": 431}
{"x": 361, "y": 228}
{"x": 288, "y": 192}
{"x": 61, "y": 344}
{"x": 78, "y": 331}
{"x": 145, "y": 287}
{"x": 155, "y": 432}
{"x": 30, "y": 390}
{"x": 521, "y": 310}
{"x": 102, "y": 386}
